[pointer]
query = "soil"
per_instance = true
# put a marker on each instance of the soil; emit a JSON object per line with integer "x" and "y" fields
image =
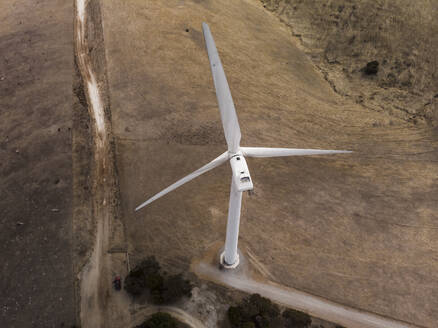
{"x": 36, "y": 65}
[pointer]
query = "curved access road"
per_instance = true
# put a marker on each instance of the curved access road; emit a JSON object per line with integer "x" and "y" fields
{"x": 315, "y": 306}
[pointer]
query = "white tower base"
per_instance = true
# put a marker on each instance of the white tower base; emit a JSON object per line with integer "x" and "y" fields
{"x": 230, "y": 258}
{"x": 226, "y": 265}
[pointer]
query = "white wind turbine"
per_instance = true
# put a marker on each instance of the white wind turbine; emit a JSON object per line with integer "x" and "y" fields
{"x": 241, "y": 179}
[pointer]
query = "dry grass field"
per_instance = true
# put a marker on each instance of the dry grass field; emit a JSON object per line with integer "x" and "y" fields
{"x": 358, "y": 229}
{"x": 36, "y": 65}
{"x": 342, "y": 36}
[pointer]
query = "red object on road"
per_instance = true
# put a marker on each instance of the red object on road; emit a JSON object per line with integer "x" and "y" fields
{"x": 117, "y": 283}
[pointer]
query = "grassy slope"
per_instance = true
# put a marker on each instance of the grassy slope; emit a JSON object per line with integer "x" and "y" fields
{"x": 342, "y": 36}
{"x": 354, "y": 229}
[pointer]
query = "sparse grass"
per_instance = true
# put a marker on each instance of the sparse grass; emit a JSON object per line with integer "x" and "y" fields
{"x": 401, "y": 35}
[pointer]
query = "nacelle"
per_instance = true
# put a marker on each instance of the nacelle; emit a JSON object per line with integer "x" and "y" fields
{"x": 241, "y": 178}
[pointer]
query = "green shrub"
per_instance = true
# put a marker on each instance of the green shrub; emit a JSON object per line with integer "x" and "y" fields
{"x": 147, "y": 276}
{"x": 296, "y": 319}
{"x": 235, "y": 315}
{"x": 263, "y": 306}
{"x": 253, "y": 311}
{"x": 175, "y": 287}
{"x": 154, "y": 281}
{"x": 248, "y": 324}
{"x": 159, "y": 320}
{"x": 144, "y": 275}
{"x": 134, "y": 282}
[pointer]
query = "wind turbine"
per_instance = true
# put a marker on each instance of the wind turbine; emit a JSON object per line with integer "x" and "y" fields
{"x": 241, "y": 179}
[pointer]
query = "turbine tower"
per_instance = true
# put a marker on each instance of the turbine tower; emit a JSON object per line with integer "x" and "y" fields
{"x": 241, "y": 179}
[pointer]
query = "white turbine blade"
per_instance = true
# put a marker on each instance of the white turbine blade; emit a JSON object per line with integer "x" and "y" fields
{"x": 223, "y": 94}
{"x": 277, "y": 152}
{"x": 214, "y": 163}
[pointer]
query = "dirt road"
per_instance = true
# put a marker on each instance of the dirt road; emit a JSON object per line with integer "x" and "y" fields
{"x": 315, "y": 306}
{"x": 99, "y": 305}
{"x": 91, "y": 311}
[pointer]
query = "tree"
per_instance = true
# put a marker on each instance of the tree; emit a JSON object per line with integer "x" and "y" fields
{"x": 248, "y": 324}
{"x": 296, "y": 319}
{"x": 264, "y": 306}
{"x": 253, "y": 311}
{"x": 145, "y": 275}
{"x": 235, "y": 315}
{"x": 134, "y": 282}
{"x": 176, "y": 287}
{"x": 159, "y": 320}
{"x": 154, "y": 281}
{"x": 150, "y": 265}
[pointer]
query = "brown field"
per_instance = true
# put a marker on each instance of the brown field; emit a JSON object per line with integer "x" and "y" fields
{"x": 358, "y": 229}
{"x": 342, "y": 36}
{"x": 36, "y": 65}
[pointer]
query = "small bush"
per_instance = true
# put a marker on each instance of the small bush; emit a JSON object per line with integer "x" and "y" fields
{"x": 175, "y": 287}
{"x": 253, "y": 311}
{"x": 248, "y": 324}
{"x": 296, "y": 319}
{"x": 154, "y": 281}
{"x": 159, "y": 320}
{"x": 235, "y": 315}
{"x": 263, "y": 306}
{"x": 144, "y": 275}
{"x": 371, "y": 68}
{"x": 147, "y": 277}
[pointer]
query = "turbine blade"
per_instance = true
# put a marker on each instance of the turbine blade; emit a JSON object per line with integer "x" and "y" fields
{"x": 223, "y": 94}
{"x": 277, "y": 152}
{"x": 214, "y": 163}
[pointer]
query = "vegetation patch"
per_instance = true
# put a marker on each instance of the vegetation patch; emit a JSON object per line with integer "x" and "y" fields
{"x": 296, "y": 319}
{"x": 256, "y": 311}
{"x": 371, "y": 68}
{"x": 161, "y": 320}
{"x": 148, "y": 278}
